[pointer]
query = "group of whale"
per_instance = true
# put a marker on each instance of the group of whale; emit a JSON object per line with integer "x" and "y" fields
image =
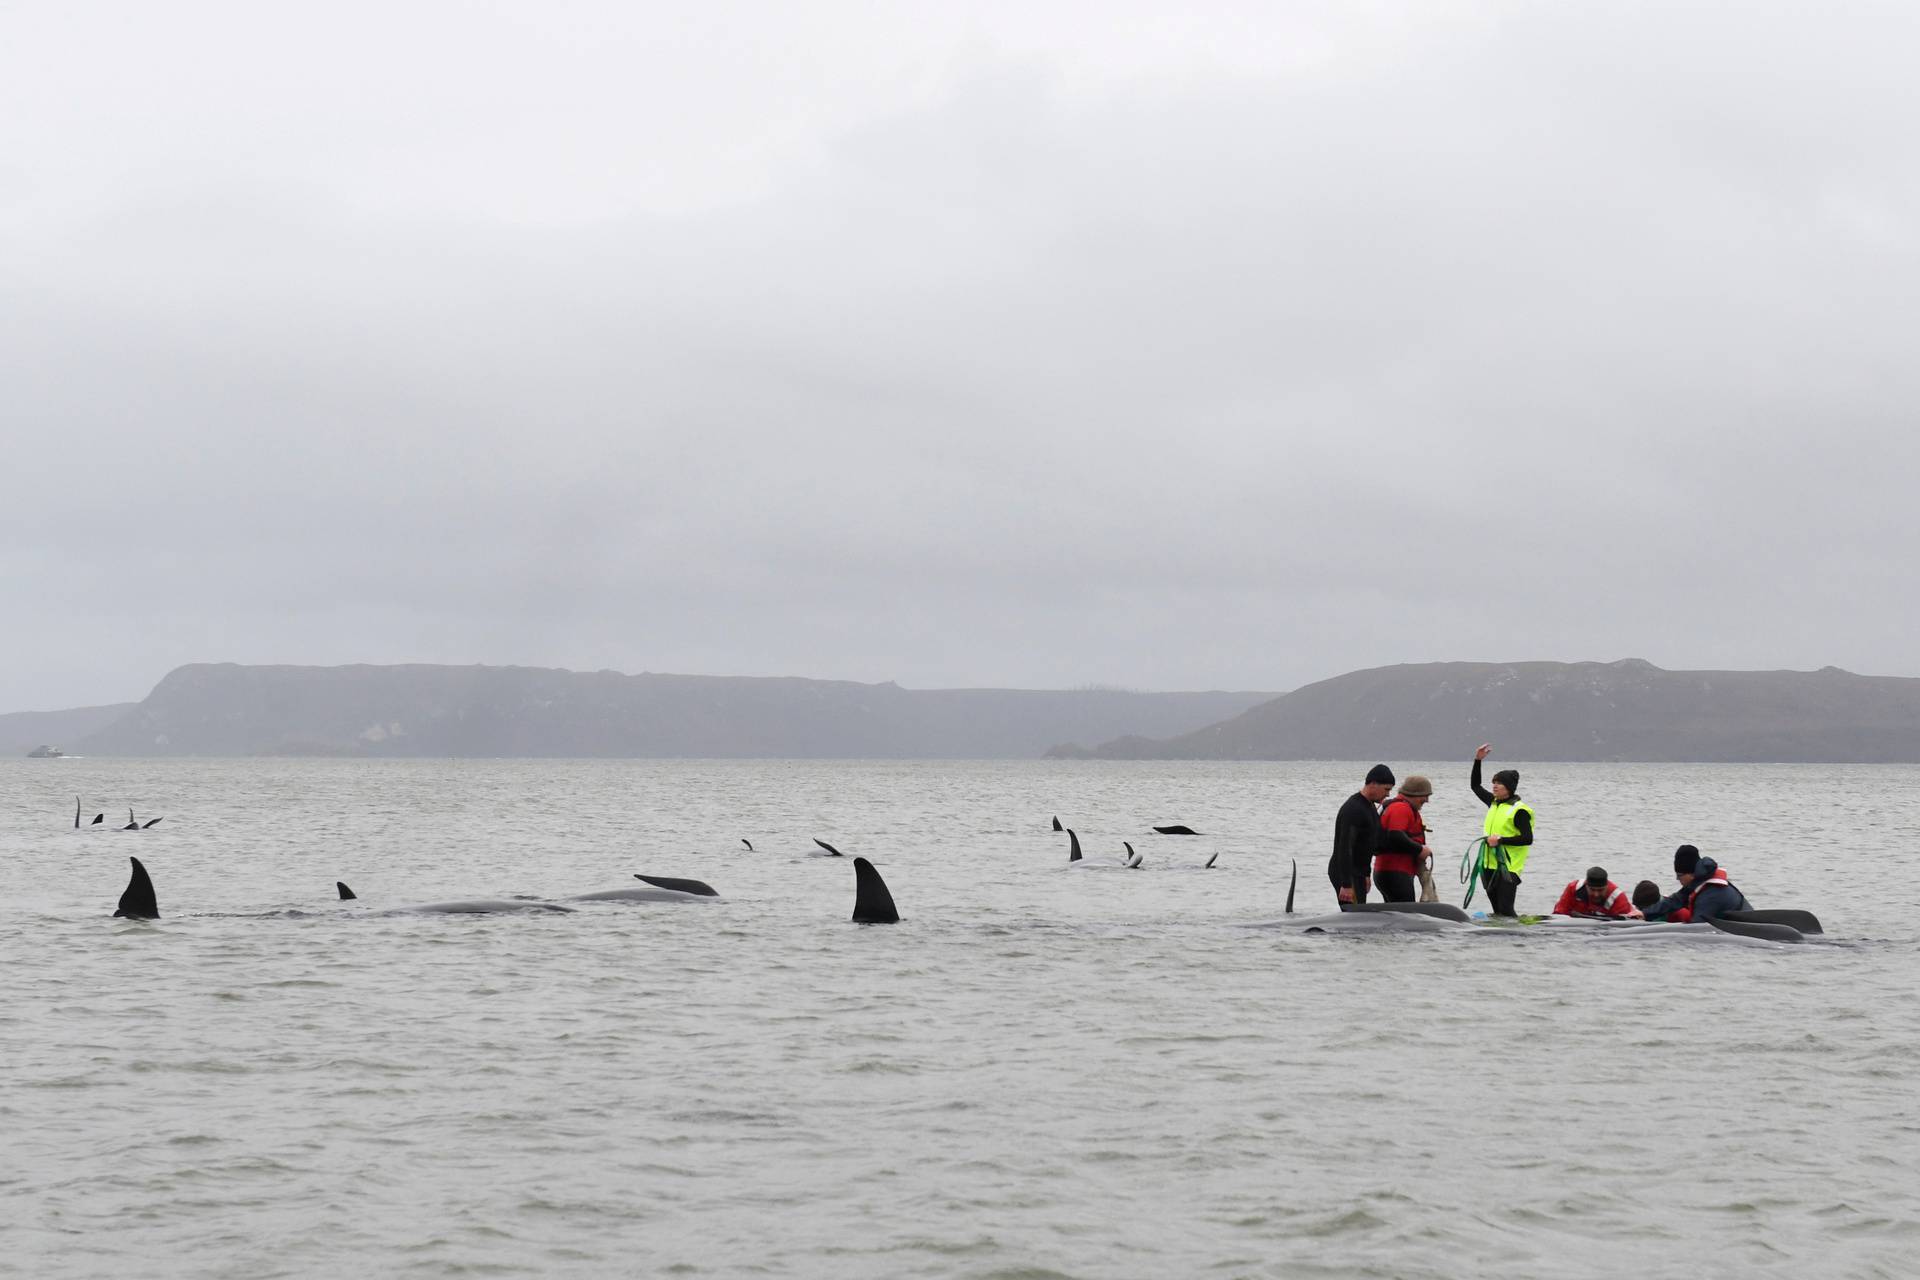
{"x": 873, "y": 904}
{"x": 98, "y": 818}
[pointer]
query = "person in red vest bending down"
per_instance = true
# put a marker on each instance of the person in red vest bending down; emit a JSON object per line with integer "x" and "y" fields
{"x": 1595, "y": 896}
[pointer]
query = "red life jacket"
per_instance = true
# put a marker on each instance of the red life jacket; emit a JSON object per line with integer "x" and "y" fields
{"x": 1579, "y": 900}
{"x": 1685, "y": 914}
{"x": 1399, "y": 815}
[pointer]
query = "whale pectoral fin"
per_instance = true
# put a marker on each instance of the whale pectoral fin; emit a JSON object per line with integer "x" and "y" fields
{"x": 346, "y": 894}
{"x": 829, "y": 848}
{"x": 76, "y": 813}
{"x": 749, "y": 845}
{"x": 872, "y": 903}
{"x": 148, "y": 823}
{"x": 1293, "y": 882}
{"x": 136, "y": 900}
{"x": 699, "y": 887}
{"x": 1210, "y": 861}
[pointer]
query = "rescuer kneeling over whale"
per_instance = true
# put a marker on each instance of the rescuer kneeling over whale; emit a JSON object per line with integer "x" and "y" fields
{"x": 1595, "y": 896}
{"x": 1705, "y": 892}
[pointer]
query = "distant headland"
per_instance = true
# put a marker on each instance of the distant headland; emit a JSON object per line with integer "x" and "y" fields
{"x": 1627, "y": 710}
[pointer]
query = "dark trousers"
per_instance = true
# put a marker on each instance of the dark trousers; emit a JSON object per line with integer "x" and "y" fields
{"x": 1502, "y": 887}
{"x": 1342, "y": 876}
{"x": 1396, "y": 886}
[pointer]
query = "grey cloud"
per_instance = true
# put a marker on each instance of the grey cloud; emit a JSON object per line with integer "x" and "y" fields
{"x": 1042, "y": 354}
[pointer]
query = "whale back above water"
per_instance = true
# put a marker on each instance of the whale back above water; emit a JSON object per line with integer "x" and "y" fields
{"x": 641, "y": 894}
{"x": 872, "y": 903}
{"x": 1176, "y": 829}
{"x": 1438, "y": 910}
{"x": 137, "y": 901}
{"x": 479, "y": 907}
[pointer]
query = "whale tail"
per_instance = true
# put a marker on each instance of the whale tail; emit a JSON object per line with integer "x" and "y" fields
{"x": 872, "y": 904}
{"x": 1073, "y": 846}
{"x": 1293, "y": 882}
{"x": 699, "y": 887}
{"x": 148, "y": 823}
{"x": 137, "y": 901}
{"x": 1056, "y": 819}
{"x": 346, "y": 894}
{"x": 1209, "y": 863}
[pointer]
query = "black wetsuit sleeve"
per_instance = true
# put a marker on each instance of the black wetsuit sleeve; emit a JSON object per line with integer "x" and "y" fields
{"x": 1392, "y": 841}
{"x": 1473, "y": 780}
{"x": 1522, "y": 823}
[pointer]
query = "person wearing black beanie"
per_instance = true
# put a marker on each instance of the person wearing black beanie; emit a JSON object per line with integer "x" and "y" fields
{"x": 1508, "y": 834}
{"x": 1356, "y": 836}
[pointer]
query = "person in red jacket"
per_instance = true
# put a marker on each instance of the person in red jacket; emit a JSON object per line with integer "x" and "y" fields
{"x": 1403, "y": 841}
{"x": 1595, "y": 896}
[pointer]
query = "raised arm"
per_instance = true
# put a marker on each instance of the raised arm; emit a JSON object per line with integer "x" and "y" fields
{"x": 1473, "y": 779}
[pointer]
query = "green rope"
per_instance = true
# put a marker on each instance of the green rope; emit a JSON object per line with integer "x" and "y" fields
{"x": 1469, "y": 869}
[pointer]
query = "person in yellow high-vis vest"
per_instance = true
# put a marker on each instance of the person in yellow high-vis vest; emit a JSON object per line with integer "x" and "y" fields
{"x": 1508, "y": 832}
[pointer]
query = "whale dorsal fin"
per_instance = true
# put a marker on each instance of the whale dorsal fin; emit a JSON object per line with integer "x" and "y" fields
{"x": 1292, "y": 884}
{"x": 700, "y": 887}
{"x": 131, "y": 824}
{"x": 749, "y": 845}
{"x": 1056, "y": 820}
{"x": 829, "y": 848}
{"x": 346, "y": 894}
{"x": 1073, "y": 852}
{"x": 137, "y": 901}
{"x": 872, "y": 904}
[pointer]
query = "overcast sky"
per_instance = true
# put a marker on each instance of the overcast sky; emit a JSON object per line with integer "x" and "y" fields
{"x": 987, "y": 344}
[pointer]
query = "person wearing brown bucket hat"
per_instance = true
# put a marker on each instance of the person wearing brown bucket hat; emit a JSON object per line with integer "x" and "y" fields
{"x": 1403, "y": 841}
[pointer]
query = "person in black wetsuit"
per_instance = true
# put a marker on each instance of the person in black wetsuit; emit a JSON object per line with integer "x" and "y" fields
{"x": 1357, "y": 837}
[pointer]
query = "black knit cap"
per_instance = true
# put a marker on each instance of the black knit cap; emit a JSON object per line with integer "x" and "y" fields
{"x": 1380, "y": 775}
{"x": 1509, "y": 778}
{"x": 1596, "y": 877}
{"x": 1685, "y": 859}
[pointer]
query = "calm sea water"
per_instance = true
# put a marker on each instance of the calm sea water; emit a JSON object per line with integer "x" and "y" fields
{"x": 1039, "y": 1072}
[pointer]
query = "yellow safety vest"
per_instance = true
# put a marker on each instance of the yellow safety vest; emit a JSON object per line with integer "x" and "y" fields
{"x": 1500, "y": 823}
